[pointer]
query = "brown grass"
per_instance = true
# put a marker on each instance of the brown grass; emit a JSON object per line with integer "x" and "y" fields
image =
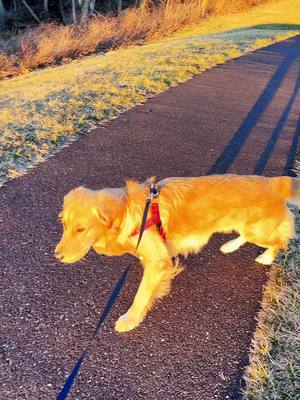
{"x": 52, "y": 43}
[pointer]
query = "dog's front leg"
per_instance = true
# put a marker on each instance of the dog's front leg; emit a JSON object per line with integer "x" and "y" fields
{"x": 158, "y": 274}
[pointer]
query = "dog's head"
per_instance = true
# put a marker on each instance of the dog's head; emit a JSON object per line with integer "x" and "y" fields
{"x": 87, "y": 220}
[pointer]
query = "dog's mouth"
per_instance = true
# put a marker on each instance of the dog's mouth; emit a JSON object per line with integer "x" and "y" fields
{"x": 71, "y": 259}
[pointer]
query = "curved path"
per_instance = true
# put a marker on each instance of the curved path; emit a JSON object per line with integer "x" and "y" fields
{"x": 240, "y": 117}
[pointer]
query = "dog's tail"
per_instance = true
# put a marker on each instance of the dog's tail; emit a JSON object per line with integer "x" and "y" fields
{"x": 289, "y": 188}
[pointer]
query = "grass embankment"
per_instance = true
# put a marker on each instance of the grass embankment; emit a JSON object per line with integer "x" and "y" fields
{"x": 274, "y": 371}
{"x": 53, "y": 43}
{"x": 44, "y": 110}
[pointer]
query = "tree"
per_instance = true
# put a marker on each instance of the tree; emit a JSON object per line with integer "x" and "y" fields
{"x": 119, "y": 6}
{"x": 46, "y": 7}
{"x": 3, "y": 12}
{"x": 70, "y": 9}
{"x": 87, "y": 6}
{"x": 74, "y": 12}
{"x": 67, "y": 9}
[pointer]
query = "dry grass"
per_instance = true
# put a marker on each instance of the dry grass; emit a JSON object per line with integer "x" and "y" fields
{"x": 50, "y": 43}
{"x": 274, "y": 370}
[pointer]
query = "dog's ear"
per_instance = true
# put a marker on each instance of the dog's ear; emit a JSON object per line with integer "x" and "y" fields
{"x": 109, "y": 209}
{"x": 101, "y": 213}
{"x": 106, "y": 208}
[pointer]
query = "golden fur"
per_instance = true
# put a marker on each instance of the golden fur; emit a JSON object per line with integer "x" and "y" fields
{"x": 192, "y": 210}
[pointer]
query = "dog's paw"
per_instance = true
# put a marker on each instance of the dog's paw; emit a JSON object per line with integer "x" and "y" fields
{"x": 233, "y": 245}
{"x": 227, "y": 248}
{"x": 126, "y": 323}
{"x": 265, "y": 259}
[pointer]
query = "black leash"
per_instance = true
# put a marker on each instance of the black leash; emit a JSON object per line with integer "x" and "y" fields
{"x": 153, "y": 193}
{"x": 62, "y": 395}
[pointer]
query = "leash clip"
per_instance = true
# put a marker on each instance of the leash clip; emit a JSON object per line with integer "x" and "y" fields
{"x": 154, "y": 193}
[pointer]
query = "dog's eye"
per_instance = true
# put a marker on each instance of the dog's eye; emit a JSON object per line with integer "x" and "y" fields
{"x": 80, "y": 229}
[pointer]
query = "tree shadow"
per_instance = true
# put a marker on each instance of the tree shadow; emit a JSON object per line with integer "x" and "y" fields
{"x": 291, "y": 158}
{"x": 262, "y": 162}
{"x": 260, "y": 31}
{"x": 290, "y": 50}
{"x": 274, "y": 27}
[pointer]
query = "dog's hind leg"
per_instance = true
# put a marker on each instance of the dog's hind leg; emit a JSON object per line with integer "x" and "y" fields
{"x": 273, "y": 238}
{"x": 233, "y": 245}
{"x": 268, "y": 256}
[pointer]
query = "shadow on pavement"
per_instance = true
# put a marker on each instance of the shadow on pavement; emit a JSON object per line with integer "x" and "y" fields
{"x": 230, "y": 152}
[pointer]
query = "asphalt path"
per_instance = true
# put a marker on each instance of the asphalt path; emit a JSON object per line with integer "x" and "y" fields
{"x": 240, "y": 117}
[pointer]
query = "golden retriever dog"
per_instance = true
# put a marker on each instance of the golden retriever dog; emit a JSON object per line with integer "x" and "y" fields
{"x": 192, "y": 210}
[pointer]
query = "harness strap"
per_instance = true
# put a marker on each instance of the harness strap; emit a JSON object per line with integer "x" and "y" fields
{"x": 152, "y": 203}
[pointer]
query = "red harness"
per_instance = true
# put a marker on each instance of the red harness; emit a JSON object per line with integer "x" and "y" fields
{"x": 154, "y": 220}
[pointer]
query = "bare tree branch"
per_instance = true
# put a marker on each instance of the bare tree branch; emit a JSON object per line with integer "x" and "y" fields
{"x": 2, "y": 9}
{"x": 31, "y": 11}
{"x": 63, "y": 14}
{"x": 46, "y": 8}
{"x": 119, "y": 6}
{"x": 92, "y": 6}
{"x": 74, "y": 11}
{"x": 85, "y": 10}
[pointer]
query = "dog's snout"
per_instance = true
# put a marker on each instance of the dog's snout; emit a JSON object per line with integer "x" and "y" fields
{"x": 58, "y": 255}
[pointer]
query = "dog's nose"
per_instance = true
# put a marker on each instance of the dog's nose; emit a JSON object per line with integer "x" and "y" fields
{"x": 58, "y": 255}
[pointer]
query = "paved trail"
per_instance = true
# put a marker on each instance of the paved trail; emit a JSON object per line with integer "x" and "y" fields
{"x": 240, "y": 117}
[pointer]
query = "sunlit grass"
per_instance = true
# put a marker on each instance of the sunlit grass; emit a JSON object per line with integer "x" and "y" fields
{"x": 45, "y": 110}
